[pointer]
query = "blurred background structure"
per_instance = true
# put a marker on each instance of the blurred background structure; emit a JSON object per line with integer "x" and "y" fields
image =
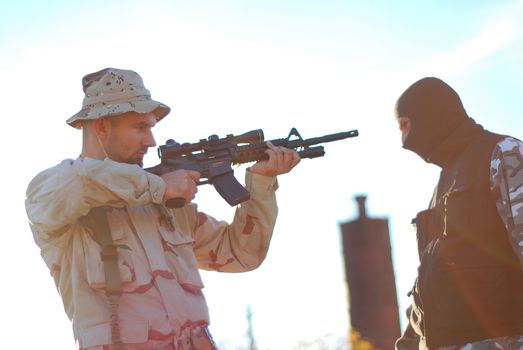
{"x": 370, "y": 277}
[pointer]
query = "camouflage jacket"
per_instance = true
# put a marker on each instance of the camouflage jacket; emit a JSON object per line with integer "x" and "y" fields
{"x": 160, "y": 251}
{"x": 506, "y": 169}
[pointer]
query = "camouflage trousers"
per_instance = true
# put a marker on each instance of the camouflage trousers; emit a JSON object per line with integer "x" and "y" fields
{"x": 503, "y": 343}
{"x": 200, "y": 340}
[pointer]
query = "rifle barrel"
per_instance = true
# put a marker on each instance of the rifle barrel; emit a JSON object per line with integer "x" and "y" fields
{"x": 331, "y": 137}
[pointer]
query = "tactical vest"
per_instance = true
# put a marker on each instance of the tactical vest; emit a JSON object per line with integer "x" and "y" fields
{"x": 470, "y": 281}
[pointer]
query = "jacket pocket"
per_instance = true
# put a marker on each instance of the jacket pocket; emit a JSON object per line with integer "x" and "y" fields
{"x": 428, "y": 225}
{"x": 93, "y": 260}
{"x": 473, "y": 297}
{"x": 181, "y": 259}
{"x": 456, "y": 203}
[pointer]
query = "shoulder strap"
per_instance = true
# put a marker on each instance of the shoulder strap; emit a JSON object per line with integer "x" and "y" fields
{"x": 113, "y": 282}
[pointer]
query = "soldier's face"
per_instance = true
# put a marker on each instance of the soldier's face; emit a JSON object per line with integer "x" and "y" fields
{"x": 404, "y": 124}
{"x": 128, "y": 137}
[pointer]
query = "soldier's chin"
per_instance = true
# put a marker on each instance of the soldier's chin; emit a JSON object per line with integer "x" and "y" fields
{"x": 137, "y": 161}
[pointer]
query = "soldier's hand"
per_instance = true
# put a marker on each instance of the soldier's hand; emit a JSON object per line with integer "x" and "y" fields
{"x": 181, "y": 184}
{"x": 281, "y": 161}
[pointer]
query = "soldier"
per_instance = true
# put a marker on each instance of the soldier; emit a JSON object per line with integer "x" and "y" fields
{"x": 151, "y": 297}
{"x": 469, "y": 289}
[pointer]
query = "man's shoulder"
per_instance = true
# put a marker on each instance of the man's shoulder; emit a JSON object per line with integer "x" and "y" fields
{"x": 49, "y": 172}
{"x": 56, "y": 167}
{"x": 508, "y": 154}
{"x": 509, "y": 144}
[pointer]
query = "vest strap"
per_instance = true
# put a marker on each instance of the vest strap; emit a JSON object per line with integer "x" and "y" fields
{"x": 113, "y": 281}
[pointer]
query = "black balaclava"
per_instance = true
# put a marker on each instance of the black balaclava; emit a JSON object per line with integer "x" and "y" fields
{"x": 435, "y": 111}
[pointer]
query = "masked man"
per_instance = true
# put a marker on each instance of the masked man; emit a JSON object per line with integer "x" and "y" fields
{"x": 469, "y": 289}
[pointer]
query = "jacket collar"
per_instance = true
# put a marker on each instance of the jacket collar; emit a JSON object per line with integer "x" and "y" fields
{"x": 446, "y": 152}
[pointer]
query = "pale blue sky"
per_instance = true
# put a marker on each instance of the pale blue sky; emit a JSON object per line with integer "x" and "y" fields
{"x": 232, "y": 66}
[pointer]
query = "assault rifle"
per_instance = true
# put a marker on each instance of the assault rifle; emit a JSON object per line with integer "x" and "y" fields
{"x": 213, "y": 158}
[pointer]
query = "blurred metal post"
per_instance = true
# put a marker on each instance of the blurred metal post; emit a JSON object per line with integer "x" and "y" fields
{"x": 250, "y": 333}
{"x": 373, "y": 305}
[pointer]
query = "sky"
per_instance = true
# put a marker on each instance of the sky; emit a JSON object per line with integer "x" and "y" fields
{"x": 227, "y": 67}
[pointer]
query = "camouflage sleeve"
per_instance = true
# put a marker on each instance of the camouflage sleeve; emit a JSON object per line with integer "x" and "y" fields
{"x": 243, "y": 244}
{"x": 507, "y": 184}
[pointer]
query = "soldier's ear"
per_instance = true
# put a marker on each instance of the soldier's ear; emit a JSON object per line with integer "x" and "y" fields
{"x": 100, "y": 126}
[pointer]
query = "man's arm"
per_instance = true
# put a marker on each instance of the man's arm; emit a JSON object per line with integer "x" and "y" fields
{"x": 243, "y": 244}
{"x": 58, "y": 197}
{"x": 507, "y": 184}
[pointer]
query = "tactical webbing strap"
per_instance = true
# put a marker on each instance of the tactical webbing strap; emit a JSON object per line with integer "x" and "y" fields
{"x": 113, "y": 282}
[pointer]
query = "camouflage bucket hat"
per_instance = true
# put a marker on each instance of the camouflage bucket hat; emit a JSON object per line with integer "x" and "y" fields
{"x": 112, "y": 92}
